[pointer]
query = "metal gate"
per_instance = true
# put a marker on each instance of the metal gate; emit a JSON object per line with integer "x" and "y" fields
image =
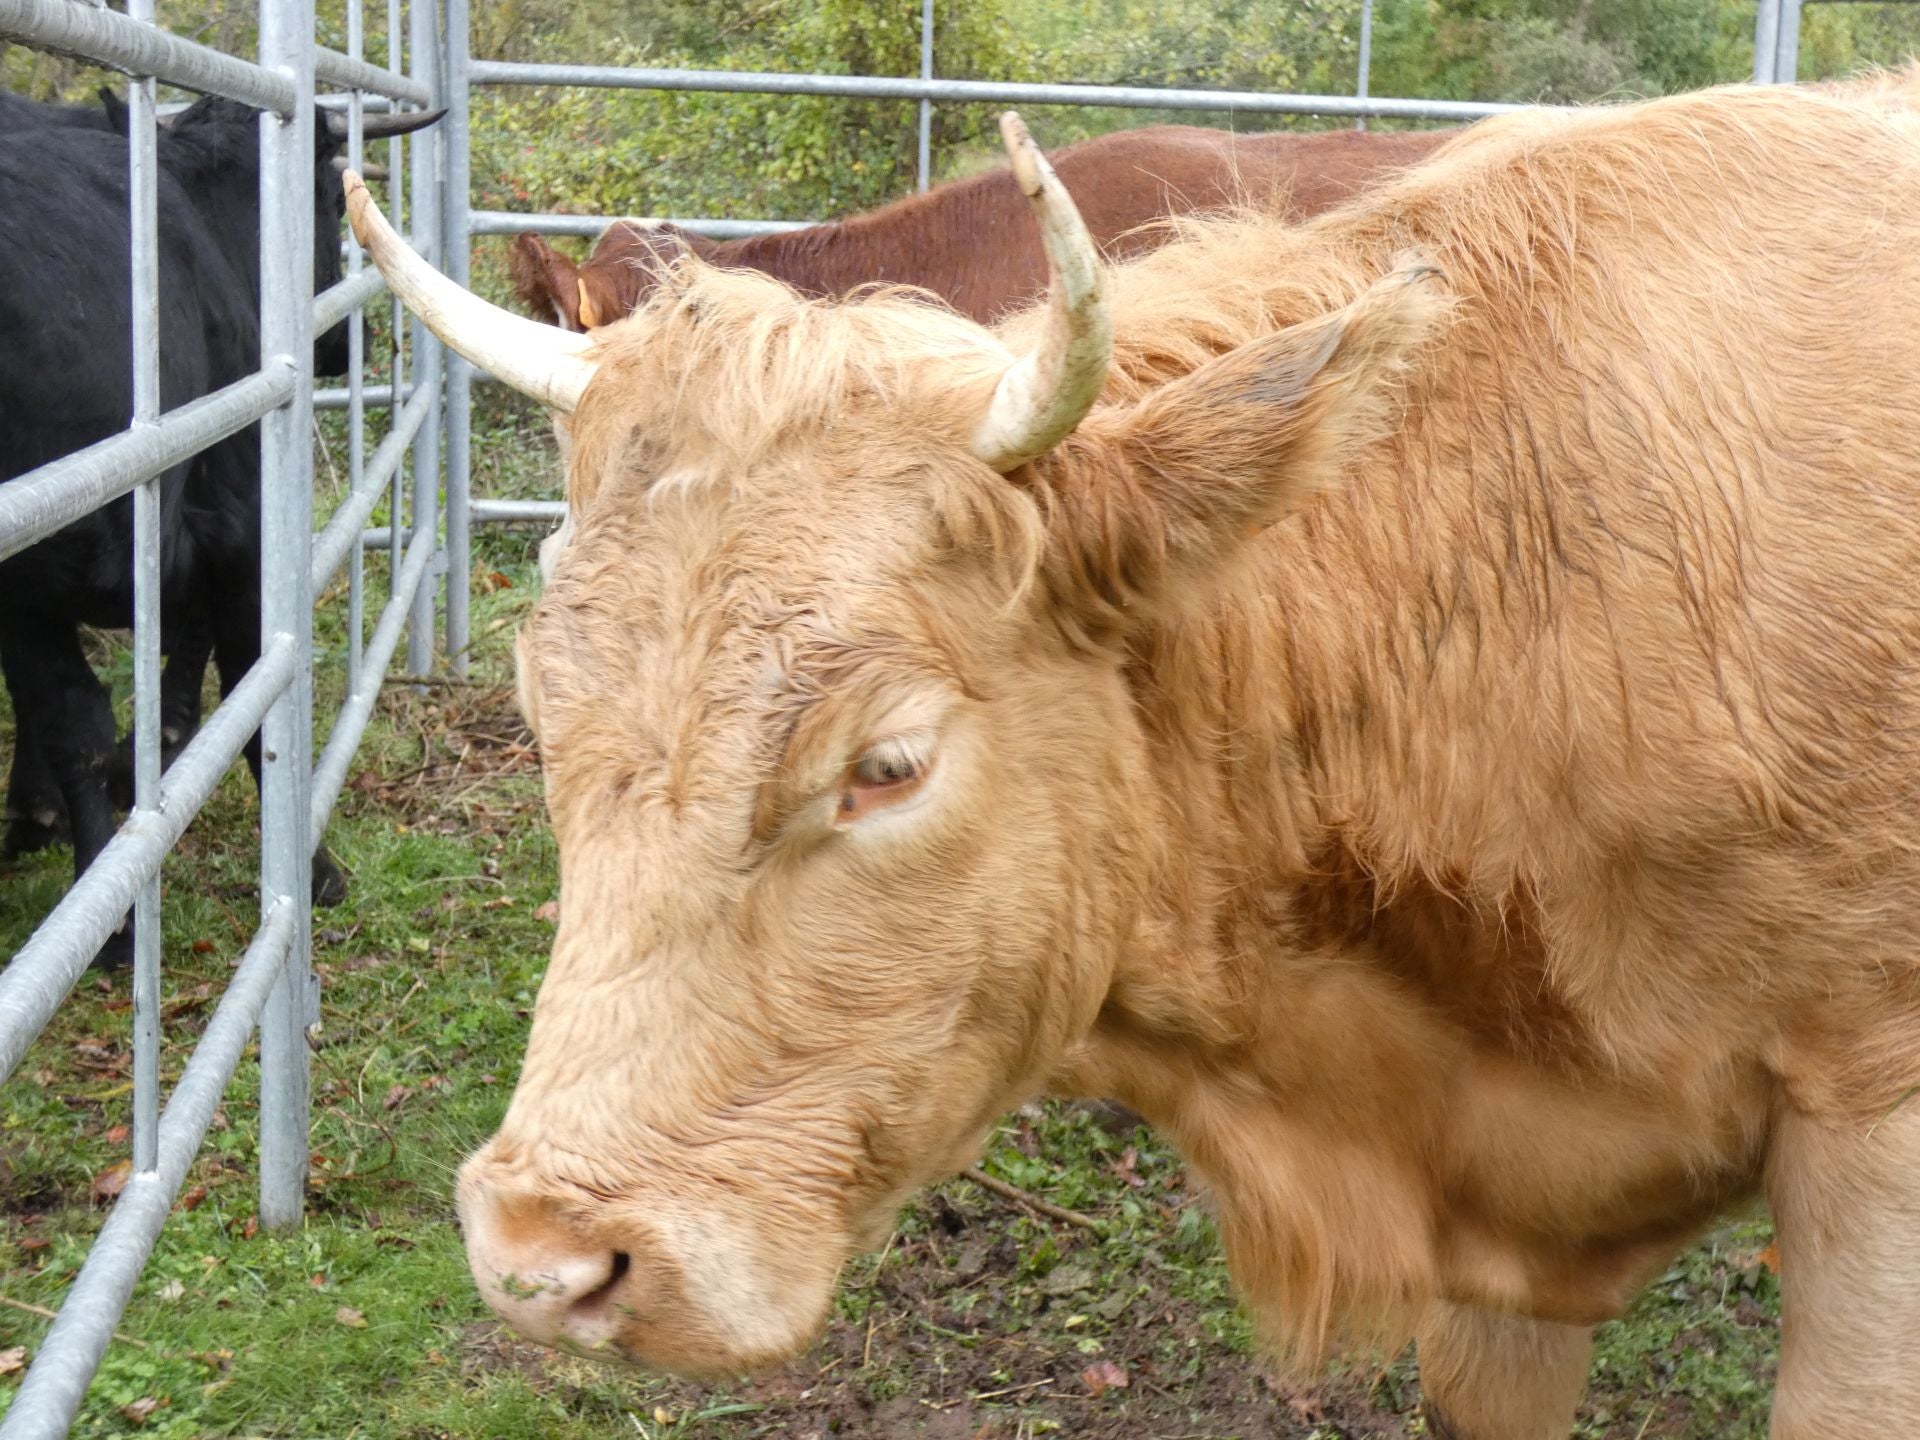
{"x": 273, "y": 985}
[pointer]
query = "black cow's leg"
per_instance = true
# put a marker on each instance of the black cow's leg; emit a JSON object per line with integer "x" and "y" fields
{"x": 49, "y": 678}
{"x": 1485, "y": 1375}
{"x": 189, "y": 649}
{"x": 36, "y": 814}
{"x": 236, "y": 634}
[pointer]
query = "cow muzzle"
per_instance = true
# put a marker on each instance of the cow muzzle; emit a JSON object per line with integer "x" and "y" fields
{"x": 656, "y": 1282}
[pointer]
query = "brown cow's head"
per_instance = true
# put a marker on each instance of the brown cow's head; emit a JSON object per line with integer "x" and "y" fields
{"x": 853, "y": 815}
{"x": 626, "y": 261}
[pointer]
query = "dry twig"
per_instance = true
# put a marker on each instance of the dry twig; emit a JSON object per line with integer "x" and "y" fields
{"x": 46, "y": 1314}
{"x": 1032, "y": 1202}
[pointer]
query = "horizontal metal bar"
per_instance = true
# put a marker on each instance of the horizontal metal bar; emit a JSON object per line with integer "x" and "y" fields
{"x": 884, "y": 87}
{"x": 50, "y": 1394}
{"x": 331, "y": 773}
{"x": 331, "y": 547}
{"x": 336, "y": 302}
{"x": 517, "y": 512}
{"x": 106, "y": 37}
{"x": 45, "y": 968}
{"x": 41, "y": 501}
{"x": 512, "y": 222}
{"x": 374, "y": 397}
{"x": 350, "y": 74}
{"x": 369, "y": 104}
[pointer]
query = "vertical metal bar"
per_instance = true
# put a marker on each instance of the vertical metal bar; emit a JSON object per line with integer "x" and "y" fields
{"x": 356, "y": 362}
{"x": 456, "y": 130}
{"x": 1766, "y": 39}
{"x": 926, "y": 106}
{"x": 424, "y": 39}
{"x": 1366, "y": 58}
{"x": 1786, "y": 47}
{"x": 396, "y": 312}
{"x": 286, "y": 608}
{"x": 144, "y": 253}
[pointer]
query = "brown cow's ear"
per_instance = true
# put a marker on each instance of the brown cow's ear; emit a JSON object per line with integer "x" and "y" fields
{"x": 1147, "y": 501}
{"x": 546, "y": 281}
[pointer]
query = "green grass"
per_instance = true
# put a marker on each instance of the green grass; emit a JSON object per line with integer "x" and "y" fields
{"x": 978, "y": 1318}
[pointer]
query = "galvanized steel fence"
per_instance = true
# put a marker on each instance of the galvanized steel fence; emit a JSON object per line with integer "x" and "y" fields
{"x": 273, "y": 985}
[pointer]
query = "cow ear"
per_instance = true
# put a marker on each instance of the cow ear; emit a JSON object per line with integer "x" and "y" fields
{"x": 546, "y": 281}
{"x": 1146, "y": 502}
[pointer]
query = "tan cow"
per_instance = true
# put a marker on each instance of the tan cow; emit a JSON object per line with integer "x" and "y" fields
{"x": 1423, "y": 705}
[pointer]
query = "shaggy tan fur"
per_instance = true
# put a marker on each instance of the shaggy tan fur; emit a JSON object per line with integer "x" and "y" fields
{"x": 1487, "y": 875}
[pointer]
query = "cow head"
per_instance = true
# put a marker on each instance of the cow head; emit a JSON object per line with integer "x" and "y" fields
{"x": 620, "y": 273}
{"x": 854, "y": 819}
{"x": 213, "y": 148}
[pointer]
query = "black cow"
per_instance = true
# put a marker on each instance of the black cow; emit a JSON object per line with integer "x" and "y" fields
{"x": 19, "y": 113}
{"x": 66, "y": 382}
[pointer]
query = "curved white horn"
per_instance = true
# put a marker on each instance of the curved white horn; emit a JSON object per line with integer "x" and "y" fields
{"x": 543, "y": 361}
{"x": 1046, "y": 393}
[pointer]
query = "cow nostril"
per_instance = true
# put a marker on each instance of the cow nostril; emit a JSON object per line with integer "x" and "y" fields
{"x": 598, "y": 1298}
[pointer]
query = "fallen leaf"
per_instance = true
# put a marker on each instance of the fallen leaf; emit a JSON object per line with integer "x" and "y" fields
{"x": 1102, "y": 1376}
{"x": 108, "y": 1184}
{"x": 250, "y": 1228}
{"x": 549, "y": 912}
{"x": 13, "y": 1361}
{"x": 1123, "y": 1167}
{"x": 1769, "y": 1258}
{"x": 31, "y": 1243}
{"x": 350, "y": 1317}
{"x": 396, "y": 1097}
{"x": 172, "y": 1290}
{"x": 203, "y": 946}
{"x": 191, "y": 1200}
{"x": 141, "y": 1410}
{"x": 117, "y": 1135}
{"x": 492, "y": 580}
{"x": 419, "y": 944}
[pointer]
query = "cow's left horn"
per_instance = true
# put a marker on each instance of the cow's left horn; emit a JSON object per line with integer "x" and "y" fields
{"x": 1047, "y": 392}
{"x": 383, "y": 127}
{"x": 543, "y": 361}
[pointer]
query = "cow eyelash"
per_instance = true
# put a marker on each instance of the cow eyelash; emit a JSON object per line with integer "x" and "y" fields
{"x": 889, "y": 773}
{"x": 893, "y": 762}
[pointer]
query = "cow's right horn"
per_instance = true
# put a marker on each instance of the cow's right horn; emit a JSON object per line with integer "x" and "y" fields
{"x": 543, "y": 361}
{"x": 1048, "y": 391}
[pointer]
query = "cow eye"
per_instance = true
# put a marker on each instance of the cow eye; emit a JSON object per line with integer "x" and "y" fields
{"x": 887, "y": 774}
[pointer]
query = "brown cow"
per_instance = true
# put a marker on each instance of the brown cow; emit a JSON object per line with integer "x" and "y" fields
{"x": 1423, "y": 705}
{"x": 969, "y": 241}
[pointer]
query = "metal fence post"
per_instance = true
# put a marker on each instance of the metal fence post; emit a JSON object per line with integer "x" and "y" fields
{"x": 1786, "y": 48}
{"x": 1366, "y": 58}
{"x": 286, "y": 606}
{"x": 926, "y": 106}
{"x": 143, "y": 163}
{"x": 428, "y": 171}
{"x": 1766, "y": 38}
{"x": 459, "y": 401}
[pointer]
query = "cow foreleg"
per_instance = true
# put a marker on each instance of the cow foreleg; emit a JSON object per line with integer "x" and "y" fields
{"x": 236, "y": 646}
{"x": 1492, "y": 1376}
{"x": 36, "y": 811}
{"x": 1847, "y": 1204}
{"x": 71, "y": 721}
{"x": 188, "y": 652}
